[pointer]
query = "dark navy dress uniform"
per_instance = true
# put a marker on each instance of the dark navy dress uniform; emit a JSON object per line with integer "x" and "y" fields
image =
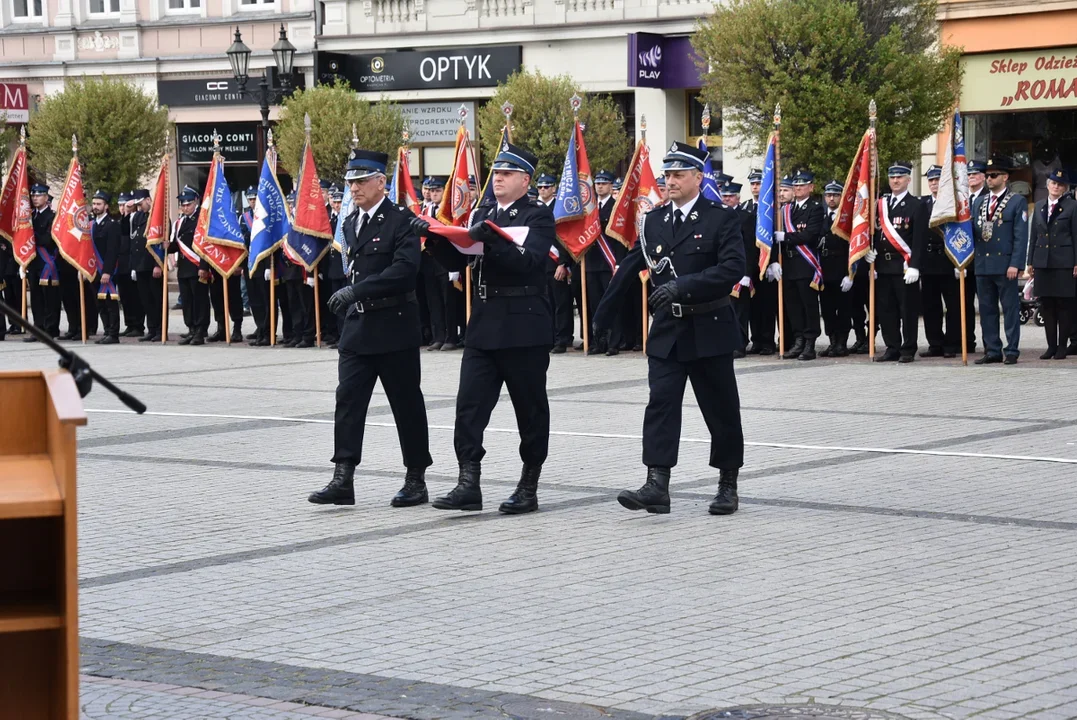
{"x": 194, "y": 294}
{"x": 743, "y": 302}
{"x": 939, "y": 290}
{"x": 693, "y": 335}
{"x": 144, "y": 264}
{"x": 105, "y": 232}
{"x": 836, "y": 305}
{"x": 898, "y": 303}
{"x": 1052, "y": 255}
{"x": 801, "y": 299}
{"x": 44, "y": 292}
{"x": 134, "y": 316}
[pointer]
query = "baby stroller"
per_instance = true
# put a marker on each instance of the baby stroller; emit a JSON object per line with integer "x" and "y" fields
{"x": 1030, "y": 304}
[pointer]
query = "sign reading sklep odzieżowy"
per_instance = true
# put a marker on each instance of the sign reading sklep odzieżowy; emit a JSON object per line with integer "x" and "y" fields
{"x": 422, "y": 69}
{"x": 1026, "y": 80}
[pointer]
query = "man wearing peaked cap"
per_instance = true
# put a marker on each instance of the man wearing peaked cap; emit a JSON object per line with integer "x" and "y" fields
{"x": 743, "y": 301}
{"x": 134, "y": 317}
{"x": 600, "y": 265}
{"x": 835, "y": 299}
{"x": 437, "y": 292}
{"x": 332, "y": 269}
{"x": 939, "y": 290}
{"x": 695, "y": 253}
{"x": 299, "y": 289}
{"x": 380, "y": 335}
{"x": 562, "y": 279}
{"x": 800, "y": 276}
{"x": 1000, "y": 231}
{"x": 192, "y": 272}
{"x": 105, "y": 232}
{"x": 145, "y": 271}
{"x": 509, "y": 335}
{"x": 1052, "y": 262}
{"x": 42, "y": 273}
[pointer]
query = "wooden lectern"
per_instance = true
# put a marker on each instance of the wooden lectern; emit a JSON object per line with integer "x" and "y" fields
{"x": 39, "y": 658}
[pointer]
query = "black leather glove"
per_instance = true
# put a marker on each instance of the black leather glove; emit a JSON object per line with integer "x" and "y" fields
{"x": 664, "y": 296}
{"x": 340, "y": 300}
{"x": 420, "y": 226}
{"x": 481, "y": 232}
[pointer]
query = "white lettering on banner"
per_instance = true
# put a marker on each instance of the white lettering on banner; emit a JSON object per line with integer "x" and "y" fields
{"x": 1020, "y": 80}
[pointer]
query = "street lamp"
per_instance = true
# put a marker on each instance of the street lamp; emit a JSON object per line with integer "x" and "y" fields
{"x": 239, "y": 57}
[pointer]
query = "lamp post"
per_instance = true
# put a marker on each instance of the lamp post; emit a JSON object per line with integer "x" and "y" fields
{"x": 239, "y": 56}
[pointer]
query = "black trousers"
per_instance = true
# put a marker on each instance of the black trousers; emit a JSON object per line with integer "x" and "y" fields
{"x": 12, "y": 290}
{"x": 455, "y": 310}
{"x": 258, "y": 294}
{"x": 715, "y": 388}
{"x": 194, "y": 296}
{"x": 597, "y": 282}
{"x": 69, "y": 293}
{"x": 400, "y": 373}
{"x": 802, "y": 309}
{"x": 970, "y": 307}
{"x": 330, "y": 323}
{"x": 897, "y": 306}
{"x": 424, "y": 306}
{"x": 858, "y": 311}
{"x": 764, "y": 312}
{"x": 743, "y": 306}
{"x": 151, "y": 295}
{"x": 836, "y": 307}
{"x": 631, "y": 317}
{"x": 45, "y": 303}
{"x": 436, "y": 286}
{"x": 109, "y": 310}
{"x": 561, "y": 298}
{"x": 523, "y": 372}
{"x": 134, "y": 315}
{"x": 235, "y": 301}
{"x": 284, "y": 310}
{"x": 937, "y": 291}
{"x": 301, "y": 305}
{"x": 1058, "y": 317}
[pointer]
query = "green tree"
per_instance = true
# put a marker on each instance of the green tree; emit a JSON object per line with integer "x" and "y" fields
{"x": 824, "y": 61}
{"x": 122, "y": 133}
{"x": 333, "y": 110}
{"x": 542, "y": 122}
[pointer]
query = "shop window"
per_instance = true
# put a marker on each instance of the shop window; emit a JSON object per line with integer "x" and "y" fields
{"x": 104, "y": 7}
{"x": 26, "y": 9}
{"x": 1038, "y": 142}
{"x": 179, "y": 6}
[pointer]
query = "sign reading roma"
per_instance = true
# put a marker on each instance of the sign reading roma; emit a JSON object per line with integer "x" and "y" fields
{"x": 1027, "y": 80}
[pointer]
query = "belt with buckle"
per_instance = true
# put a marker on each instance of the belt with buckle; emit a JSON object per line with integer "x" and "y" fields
{"x": 381, "y": 303}
{"x": 680, "y": 310}
{"x": 488, "y": 291}
{"x": 887, "y": 256}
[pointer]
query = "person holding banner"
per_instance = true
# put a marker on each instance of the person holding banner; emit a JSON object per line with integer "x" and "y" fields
{"x": 380, "y": 335}
{"x": 695, "y": 254}
{"x": 105, "y": 232}
{"x": 744, "y": 290}
{"x": 43, "y": 273}
{"x": 938, "y": 284}
{"x": 134, "y": 316}
{"x": 602, "y": 260}
{"x": 1052, "y": 261}
{"x": 144, "y": 268}
{"x": 510, "y": 333}
{"x": 802, "y": 274}
{"x": 192, "y": 272}
{"x": 834, "y": 299}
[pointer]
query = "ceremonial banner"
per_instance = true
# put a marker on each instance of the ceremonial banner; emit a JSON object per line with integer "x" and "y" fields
{"x": 709, "y": 188}
{"x": 764, "y": 218}
{"x": 15, "y": 224}
{"x": 456, "y": 202}
{"x": 575, "y": 210}
{"x": 853, "y": 221}
{"x": 271, "y": 224}
{"x": 218, "y": 238}
{"x": 157, "y": 222}
{"x": 951, "y": 209}
{"x": 401, "y": 189}
{"x": 639, "y": 196}
{"x": 71, "y": 226}
{"x": 312, "y": 233}
{"x": 461, "y": 238}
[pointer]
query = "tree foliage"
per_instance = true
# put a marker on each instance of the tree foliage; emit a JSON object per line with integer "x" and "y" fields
{"x": 824, "y": 61}
{"x": 542, "y": 122}
{"x": 122, "y": 133}
{"x": 333, "y": 110}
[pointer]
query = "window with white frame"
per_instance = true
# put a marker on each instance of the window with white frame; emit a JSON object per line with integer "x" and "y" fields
{"x": 255, "y": 4}
{"x": 182, "y": 5}
{"x": 104, "y": 7}
{"x": 26, "y": 9}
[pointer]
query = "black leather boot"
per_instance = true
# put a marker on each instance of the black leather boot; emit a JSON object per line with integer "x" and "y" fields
{"x": 829, "y": 349}
{"x": 808, "y": 353}
{"x": 414, "y": 490}
{"x": 726, "y": 501}
{"x": 217, "y": 336}
{"x": 339, "y": 491}
{"x": 653, "y": 496}
{"x": 467, "y": 495}
{"x": 794, "y": 352}
{"x": 525, "y": 499}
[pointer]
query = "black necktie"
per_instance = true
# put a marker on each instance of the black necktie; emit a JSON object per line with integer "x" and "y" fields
{"x": 360, "y": 225}
{"x": 678, "y": 218}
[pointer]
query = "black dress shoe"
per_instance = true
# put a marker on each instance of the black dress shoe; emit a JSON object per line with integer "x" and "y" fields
{"x": 653, "y": 496}
{"x": 69, "y": 336}
{"x": 753, "y": 349}
{"x": 291, "y": 343}
{"x": 199, "y": 339}
{"x": 237, "y": 337}
{"x": 612, "y": 351}
{"x": 186, "y": 339}
{"x": 1061, "y": 354}
{"x": 414, "y": 490}
{"x": 448, "y": 347}
{"x": 840, "y": 350}
{"x": 149, "y": 337}
{"x": 890, "y": 356}
{"x": 1050, "y": 354}
{"x": 794, "y": 352}
{"x": 525, "y": 498}
{"x": 906, "y": 358}
{"x": 726, "y": 501}
{"x": 253, "y": 336}
{"x": 305, "y": 343}
{"x": 14, "y": 330}
{"x": 595, "y": 350}
{"x": 1010, "y": 360}
{"x": 186, "y": 335}
{"x": 108, "y": 340}
{"x": 949, "y": 353}
{"x": 259, "y": 342}
{"x": 558, "y": 350}
{"x": 931, "y": 352}
{"x": 988, "y": 360}
{"x": 333, "y": 345}
{"x": 30, "y": 338}
{"x": 638, "y": 347}
{"x": 467, "y": 495}
{"x": 808, "y": 352}
{"x": 133, "y": 332}
{"x": 827, "y": 351}
{"x": 766, "y": 351}
{"x": 739, "y": 354}
{"x": 434, "y": 346}
{"x": 340, "y": 490}
{"x": 217, "y": 336}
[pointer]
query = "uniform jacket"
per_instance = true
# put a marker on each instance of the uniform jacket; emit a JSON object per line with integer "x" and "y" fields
{"x": 1009, "y": 234}
{"x": 910, "y": 220}
{"x": 1053, "y": 241}
{"x": 751, "y": 250}
{"x": 141, "y": 259}
{"x": 935, "y": 261}
{"x": 833, "y": 251}
{"x": 42, "y": 222}
{"x": 334, "y": 269}
{"x": 183, "y": 231}
{"x": 707, "y": 253}
{"x": 384, "y": 261}
{"x": 106, "y": 239}
{"x": 500, "y": 322}
{"x": 8, "y": 266}
{"x": 596, "y": 261}
{"x": 806, "y": 231}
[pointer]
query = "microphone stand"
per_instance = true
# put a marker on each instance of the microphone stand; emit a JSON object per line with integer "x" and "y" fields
{"x": 80, "y": 370}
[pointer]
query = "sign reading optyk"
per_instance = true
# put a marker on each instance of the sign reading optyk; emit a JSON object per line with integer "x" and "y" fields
{"x": 422, "y": 69}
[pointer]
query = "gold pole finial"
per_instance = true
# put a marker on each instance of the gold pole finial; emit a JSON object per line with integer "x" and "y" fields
{"x": 575, "y": 101}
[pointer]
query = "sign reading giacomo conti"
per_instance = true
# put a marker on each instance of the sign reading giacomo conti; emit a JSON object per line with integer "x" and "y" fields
{"x": 1026, "y": 80}
{"x": 423, "y": 69}
{"x": 199, "y": 92}
{"x": 239, "y": 141}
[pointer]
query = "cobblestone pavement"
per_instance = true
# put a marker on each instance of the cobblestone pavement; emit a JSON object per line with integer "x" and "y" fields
{"x": 905, "y": 544}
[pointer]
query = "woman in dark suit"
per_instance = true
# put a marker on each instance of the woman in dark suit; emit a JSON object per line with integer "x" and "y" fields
{"x": 1052, "y": 262}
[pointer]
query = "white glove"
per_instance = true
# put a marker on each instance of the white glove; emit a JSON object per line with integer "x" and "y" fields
{"x": 870, "y": 257}
{"x": 310, "y": 281}
{"x": 22, "y": 273}
{"x": 912, "y": 276}
{"x": 846, "y": 284}
{"x": 779, "y": 237}
{"x": 454, "y": 276}
{"x": 134, "y": 275}
{"x": 774, "y": 272}
{"x": 745, "y": 281}
{"x": 875, "y": 273}
{"x": 266, "y": 274}
{"x": 957, "y": 273}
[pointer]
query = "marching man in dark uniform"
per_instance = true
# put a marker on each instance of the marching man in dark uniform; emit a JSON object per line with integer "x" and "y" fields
{"x": 835, "y": 301}
{"x": 1052, "y": 261}
{"x": 144, "y": 268}
{"x": 695, "y": 254}
{"x": 1000, "y": 231}
{"x": 43, "y": 276}
{"x": 939, "y": 284}
{"x": 901, "y": 234}
{"x": 510, "y": 334}
{"x": 801, "y": 275}
{"x": 192, "y": 272}
{"x": 380, "y": 335}
{"x": 105, "y": 232}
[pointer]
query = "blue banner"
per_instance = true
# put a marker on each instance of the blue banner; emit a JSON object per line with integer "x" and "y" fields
{"x": 569, "y": 204}
{"x": 224, "y": 226}
{"x": 764, "y": 217}
{"x": 709, "y": 188}
{"x": 271, "y": 222}
{"x": 958, "y": 235}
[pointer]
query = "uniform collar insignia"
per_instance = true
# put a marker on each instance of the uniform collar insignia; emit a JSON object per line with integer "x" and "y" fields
{"x": 380, "y": 217}
{"x": 512, "y": 213}
{"x": 694, "y": 215}
{"x": 666, "y": 218}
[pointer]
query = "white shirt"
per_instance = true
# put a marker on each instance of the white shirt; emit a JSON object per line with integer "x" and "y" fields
{"x": 895, "y": 199}
{"x": 1051, "y": 207}
{"x": 368, "y": 213}
{"x": 686, "y": 208}
{"x": 602, "y": 201}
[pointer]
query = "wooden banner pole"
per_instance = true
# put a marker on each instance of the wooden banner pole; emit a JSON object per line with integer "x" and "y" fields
{"x": 227, "y": 317}
{"x": 24, "y": 297}
{"x": 467, "y": 294}
{"x": 585, "y": 331}
{"x": 317, "y": 310}
{"x": 779, "y": 227}
{"x": 82, "y": 305}
{"x": 646, "y": 314}
{"x": 964, "y": 319}
{"x": 164, "y": 300}
{"x": 272, "y": 302}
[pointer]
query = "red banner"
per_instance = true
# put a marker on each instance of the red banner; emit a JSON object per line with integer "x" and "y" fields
{"x": 575, "y": 210}
{"x": 405, "y": 190}
{"x": 456, "y": 203}
{"x": 639, "y": 196}
{"x": 157, "y": 223}
{"x": 15, "y": 223}
{"x": 854, "y": 219}
{"x": 310, "y": 215}
{"x": 71, "y": 227}
{"x": 224, "y": 257}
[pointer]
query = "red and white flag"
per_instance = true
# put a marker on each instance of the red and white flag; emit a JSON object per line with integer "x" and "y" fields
{"x": 71, "y": 226}
{"x": 456, "y": 203}
{"x": 854, "y": 220}
{"x": 639, "y": 195}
